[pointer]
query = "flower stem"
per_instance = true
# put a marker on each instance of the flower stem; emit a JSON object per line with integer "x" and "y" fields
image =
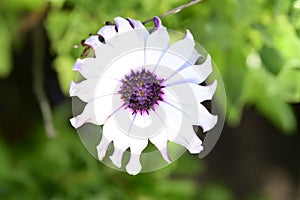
{"x": 38, "y": 80}
{"x": 174, "y": 10}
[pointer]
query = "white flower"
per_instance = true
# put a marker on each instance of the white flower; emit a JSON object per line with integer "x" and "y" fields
{"x": 140, "y": 88}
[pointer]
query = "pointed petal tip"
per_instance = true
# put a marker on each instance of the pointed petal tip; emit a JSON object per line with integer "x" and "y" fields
{"x": 102, "y": 147}
{"x": 100, "y": 152}
{"x": 213, "y": 87}
{"x": 73, "y": 122}
{"x": 117, "y": 156}
{"x": 196, "y": 146}
{"x": 212, "y": 124}
{"x": 72, "y": 88}
{"x": 165, "y": 154}
{"x": 189, "y": 35}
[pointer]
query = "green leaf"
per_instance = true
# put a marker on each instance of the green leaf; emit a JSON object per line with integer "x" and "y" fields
{"x": 262, "y": 91}
{"x": 272, "y": 59}
{"x": 289, "y": 85}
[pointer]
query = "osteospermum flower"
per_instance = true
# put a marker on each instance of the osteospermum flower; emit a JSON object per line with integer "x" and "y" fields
{"x": 142, "y": 88}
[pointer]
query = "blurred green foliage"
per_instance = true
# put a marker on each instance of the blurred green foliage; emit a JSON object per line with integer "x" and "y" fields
{"x": 255, "y": 44}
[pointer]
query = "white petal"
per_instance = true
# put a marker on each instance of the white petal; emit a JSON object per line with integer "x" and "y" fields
{"x": 161, "y": 143}
{"x": 117, "y": 157}
{"x": 119, "y": 138}
{"x": 106, "y": 86}
{"x": 201, "y": 93}
{"x": 138, "y": 26}
{"x": 77, "y": 66}
{"x": 124, "y": 64}
{"x": 158, "y": 39}
{"x": 189, "y": 101}
{"x": 181, "y": 131}
{"x": 194, "y": 145}
{"x": 128, "y": 41}
{"x": 206, "y": 120}
{"x": 95, "y": 112}
{"x": 93, "y": 67}
{"x": 84, "y": 90}
{"x": 102, "y": 147}
{"x": 156, "y": 45}
{"x": 183, "y": 49}
{"x": 185, "y": 73}
{"x": 142, "y": 121}
{"x": 136, "y": 147}
{"x": 204, "y": 69}
{"x": 107, "y": 32}
{"x": 172, "y": 121}
{"x": 93, "y": 41}
{"x": 193, "y": 74}
{"x": 122, "y": 25}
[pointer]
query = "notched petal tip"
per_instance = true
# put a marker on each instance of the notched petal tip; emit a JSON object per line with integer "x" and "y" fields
{"x": 196, "y": 146}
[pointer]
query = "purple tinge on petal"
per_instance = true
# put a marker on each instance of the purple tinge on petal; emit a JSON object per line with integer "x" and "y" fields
{"x": 72, "y": 88}
{"x": 165, "y": 154}
{"x": 102, "y": 147}
{"x": 78, "y": 64}
{"x": 196, "y": 146}
{"x": 161, "y": 143}
{"x": 93, "y": 41}
{"x": 107, "y": 32}
{"x": 131, "y": 22}
{"x": 122, "y": 25}
{"x": 157, "y": 22}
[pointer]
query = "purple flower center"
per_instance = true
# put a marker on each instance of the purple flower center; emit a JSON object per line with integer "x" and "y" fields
{"x": 141, "y": 90}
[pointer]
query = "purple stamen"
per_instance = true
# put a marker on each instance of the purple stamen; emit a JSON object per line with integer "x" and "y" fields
{"x": 141, "y": 91}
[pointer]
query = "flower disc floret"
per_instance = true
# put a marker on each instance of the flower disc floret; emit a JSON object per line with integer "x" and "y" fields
{"x": 141, "y": 90}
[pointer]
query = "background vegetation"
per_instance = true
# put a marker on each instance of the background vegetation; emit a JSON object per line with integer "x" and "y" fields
{"x": 255, "y": 44}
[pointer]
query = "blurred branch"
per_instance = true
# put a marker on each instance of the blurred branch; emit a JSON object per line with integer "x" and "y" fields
{"x": 38, "y": 80}
{"x": 175, "y": 10}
